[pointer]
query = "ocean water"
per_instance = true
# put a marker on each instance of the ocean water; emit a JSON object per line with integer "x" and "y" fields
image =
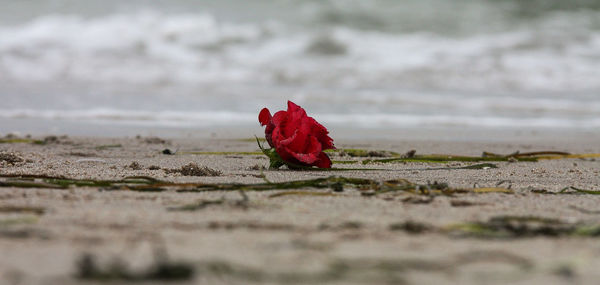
{"x": 376, "y": 64}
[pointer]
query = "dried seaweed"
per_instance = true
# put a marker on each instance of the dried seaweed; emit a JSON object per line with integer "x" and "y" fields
{"x": 392, "y": 157}
{"x": 522, "y": 227}
{"x": 524, "y": 154}
{"x": 543, "y": 155}
{"x": 354, "y": 152}
{"x": 148, "y": 184}
{"x": 492, "y": 190}
{"x": 446, "y": 158}
{"x": 364, "y": 185}
{"x": 575, "y": 190}
{"x": 22, "y": 209}
{"x": 108, "y": 146}
{"x": 581, "y": 156}
{"x": 505, "y": 227}
{"x": 486, "y": 156}
{"x": 21, "y": 140}
{"x": 58, "y": 182}
{"x": 250, "y": 225}
{"x": 28, "y": 219}
{"x": 268, "y": 186}
{"x": 302, "y": 193}
{"x": 569, "y": 190}
{"x": 474, "y": 166}
{"x": 220, "y": 152}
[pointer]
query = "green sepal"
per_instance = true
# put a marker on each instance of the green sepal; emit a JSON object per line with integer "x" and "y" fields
{"x": 275, "y": 160}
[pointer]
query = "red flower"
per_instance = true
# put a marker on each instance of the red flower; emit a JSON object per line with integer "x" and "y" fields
{"x": 296, "y": 137}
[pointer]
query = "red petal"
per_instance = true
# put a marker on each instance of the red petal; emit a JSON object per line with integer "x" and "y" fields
{"x": 292, "y": 107}
{"x": 299, "y": 119}
{"x": 268, "y": 134}
{"x": 307, "y": 159}
{"x": 277, "y": 136}
{"x": 285, "y": 154}
{"x": 295, "y": 111}
{"x": 295, "y": 116}
{"x": 305, "y": 149}
{"x": 264, "y": 117}
{"x": 324, "y": 161}
{"x": 321, "y": 133}
{"x": 287, "y": 140}
{"x": 279, "y": 118}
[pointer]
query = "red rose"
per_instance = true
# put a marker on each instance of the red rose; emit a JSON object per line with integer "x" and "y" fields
{"x": 296, "y": 137}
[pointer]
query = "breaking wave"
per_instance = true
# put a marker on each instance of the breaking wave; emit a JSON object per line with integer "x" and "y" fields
{"x": 559, "y": 52}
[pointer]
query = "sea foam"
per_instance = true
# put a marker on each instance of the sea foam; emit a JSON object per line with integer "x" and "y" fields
{"x": 149, "y": 47}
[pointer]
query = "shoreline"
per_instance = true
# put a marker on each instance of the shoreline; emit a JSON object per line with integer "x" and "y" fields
{"x": 39, "y": 128}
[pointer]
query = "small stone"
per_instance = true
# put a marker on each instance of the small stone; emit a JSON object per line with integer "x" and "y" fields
{"x": 135, "y": 166}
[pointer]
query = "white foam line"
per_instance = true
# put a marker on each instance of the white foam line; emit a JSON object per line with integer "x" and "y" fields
{"x": 206, "y": 118}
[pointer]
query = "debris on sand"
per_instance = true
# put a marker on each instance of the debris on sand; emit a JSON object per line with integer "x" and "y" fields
{"x": 161, "y": 270}
{"x": 193, "y": 169}
{"x": 55, "y": 140}
{"x": 154, "y": 140}
{"x": 135, "y": 166}
{"x": 10, "y": 158}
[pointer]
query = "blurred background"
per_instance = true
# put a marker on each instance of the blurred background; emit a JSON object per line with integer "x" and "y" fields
{"x": 174, "y": 67}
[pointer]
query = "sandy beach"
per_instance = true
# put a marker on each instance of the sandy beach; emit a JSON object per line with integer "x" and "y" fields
{"x": 518, "y": 231}
{"x": 467, "y": 135}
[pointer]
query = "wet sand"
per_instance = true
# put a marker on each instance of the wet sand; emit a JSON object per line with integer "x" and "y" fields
{"x": 335, "y": 238}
